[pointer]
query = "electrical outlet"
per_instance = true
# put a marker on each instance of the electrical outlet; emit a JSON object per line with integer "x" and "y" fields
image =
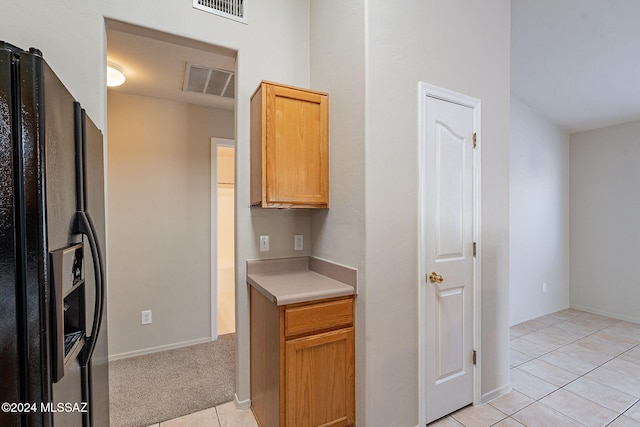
{"x": 298, "y": 242}
{"x": 544, "y": 287}
{"x": 264, "y": 243}
{"x": 146, "y": 317}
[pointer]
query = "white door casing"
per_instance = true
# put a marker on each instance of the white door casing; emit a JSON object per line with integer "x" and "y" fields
{"x": 449, "y": 203}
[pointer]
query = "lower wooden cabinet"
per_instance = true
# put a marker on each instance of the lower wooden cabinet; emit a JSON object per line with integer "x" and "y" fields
{"x": 319, "y": 380}
{"x": 302, "y": 375}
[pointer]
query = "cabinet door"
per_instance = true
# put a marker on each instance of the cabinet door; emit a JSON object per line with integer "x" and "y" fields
{"x": 320, "y": 380}
{"x": 297, "y": 147}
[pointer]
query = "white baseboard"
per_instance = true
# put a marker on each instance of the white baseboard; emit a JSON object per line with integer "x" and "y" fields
{"x": 494, "y": 394}
{"x": 150, "y": 350}
{"x": 606, "y": 313}
{"x": 519, "y": 320}
{"x": 242, "y": 404}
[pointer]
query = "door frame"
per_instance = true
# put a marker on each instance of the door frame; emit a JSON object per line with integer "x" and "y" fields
{"x": 215, "y": 143}
{"x": 428, "y": 90}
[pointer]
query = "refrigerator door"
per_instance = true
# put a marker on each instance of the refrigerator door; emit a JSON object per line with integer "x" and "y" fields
{"x": 94, "y": 209}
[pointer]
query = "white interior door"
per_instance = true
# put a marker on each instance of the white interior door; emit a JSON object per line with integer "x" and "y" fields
{"x": 448, "y": 251}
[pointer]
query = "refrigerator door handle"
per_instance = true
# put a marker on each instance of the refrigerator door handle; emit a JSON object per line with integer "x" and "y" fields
{"x": 84, "y": 225}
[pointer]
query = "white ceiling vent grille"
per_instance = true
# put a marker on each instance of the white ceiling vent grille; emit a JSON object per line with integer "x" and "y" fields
{"x": 211, "y": 81}
{"x": 232, "y": 9}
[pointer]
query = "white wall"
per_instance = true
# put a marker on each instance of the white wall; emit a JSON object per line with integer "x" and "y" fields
{"x": 539, "y": 214}
{"x": 381, "y": 52}
{"x": 72, "y": 38}
{"x": 159, "y": 221}
{"x": 273, "y": 46}
{"x": 605, "y": 208}
{"x": 462, "y": 46}
{"x": 338, "y": 234}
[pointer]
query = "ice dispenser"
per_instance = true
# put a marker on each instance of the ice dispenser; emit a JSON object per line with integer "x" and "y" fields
{"x": 68, "y": 306}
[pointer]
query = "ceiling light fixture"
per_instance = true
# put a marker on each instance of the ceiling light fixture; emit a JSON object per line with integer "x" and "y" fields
{"x": 115, "y": 76}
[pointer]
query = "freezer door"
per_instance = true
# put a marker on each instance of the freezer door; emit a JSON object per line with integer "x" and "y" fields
{"x": 33, "y": 220}
{"x": 10, "y": 365}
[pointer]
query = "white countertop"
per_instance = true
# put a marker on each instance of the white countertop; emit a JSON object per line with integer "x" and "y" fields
{"x": 301, "y": 279}
{"x": 294, "y": 286}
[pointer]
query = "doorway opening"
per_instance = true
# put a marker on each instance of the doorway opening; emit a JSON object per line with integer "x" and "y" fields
{"x": 160, "y": 216}
{"x": 222, "y": 235}
{"x": 159, "y": 142}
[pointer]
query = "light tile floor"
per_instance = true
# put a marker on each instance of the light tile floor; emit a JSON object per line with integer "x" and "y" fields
{"x": 569, "y": 368}
{"x": 225, "y": 415}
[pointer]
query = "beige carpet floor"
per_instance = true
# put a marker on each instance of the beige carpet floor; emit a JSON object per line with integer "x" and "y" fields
{"x": 157, "y": 387}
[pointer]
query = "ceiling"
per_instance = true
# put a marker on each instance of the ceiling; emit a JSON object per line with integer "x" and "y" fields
{"x": 577, "y": 61}
{"x": 154, "y": 63}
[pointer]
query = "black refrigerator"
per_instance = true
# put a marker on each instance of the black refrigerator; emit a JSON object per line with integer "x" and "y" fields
{"x": 53, "y": 326}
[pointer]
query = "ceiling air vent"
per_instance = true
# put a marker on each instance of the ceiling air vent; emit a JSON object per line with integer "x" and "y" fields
{"x": 211, "y": 81}
{"x": 232, "y": 9}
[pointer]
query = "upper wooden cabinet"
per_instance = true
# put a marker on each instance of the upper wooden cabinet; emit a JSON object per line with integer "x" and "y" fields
{"x": 289, "y": 147}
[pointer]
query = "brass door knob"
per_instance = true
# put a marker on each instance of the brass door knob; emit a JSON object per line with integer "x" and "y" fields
{"x": 435, "y": 277}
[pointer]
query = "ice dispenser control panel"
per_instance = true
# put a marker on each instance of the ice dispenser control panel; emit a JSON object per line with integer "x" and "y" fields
{"x": 68, "y": 266}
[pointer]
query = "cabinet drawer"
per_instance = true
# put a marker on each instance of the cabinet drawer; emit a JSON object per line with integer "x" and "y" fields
{"x": 316, "y": 317}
